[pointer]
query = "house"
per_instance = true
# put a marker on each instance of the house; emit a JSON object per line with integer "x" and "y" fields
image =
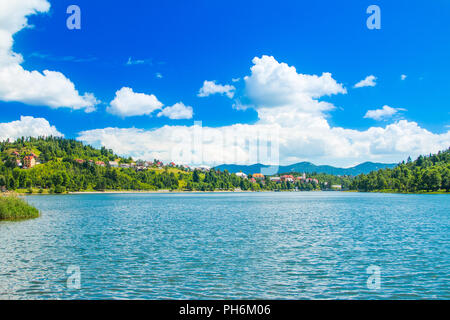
{"x": 18, "y": 163}
{"x": 311, "y": 180}
{"x": 204, "y": 168}
{"x": 124, "y": 165}
{"x": 148, "y": 164}
{"x": 140, "y": 163}
{"x": 336, "y": 187}
{"x": 114, "y": 164}
{"x": 258, "y": 176}
{"x": 172, "y": 164}
{"x": 241, "y": 175}
{"x": 252, "y": 180}
{"x": 80, "y": 161}
{"x": 275, "y": 179}
{"x": 100, "y": 163}
{"x": 29, "y": 162}
{"x": 287, "y": 178}
{"x": 15, "y": 153}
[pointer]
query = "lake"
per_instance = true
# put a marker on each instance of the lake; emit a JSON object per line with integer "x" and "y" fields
{"x": 284, "y": 245}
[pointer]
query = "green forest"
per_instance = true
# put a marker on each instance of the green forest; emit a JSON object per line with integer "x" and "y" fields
{"x": 426, "y": 174}
{"x": 66, "y": 165}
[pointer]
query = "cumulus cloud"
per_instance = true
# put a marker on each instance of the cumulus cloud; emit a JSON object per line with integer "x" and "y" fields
{"x": 27, "y": 127}
{"x": 369, "y": 81}
{"x": 381, "y": 114}
{"x": 211, "y": 87}
{"x": 177, "y": 111}
{"x": 274, "y": 85}
{"x": 403, "y": 76}
{"x": 291, "y": 118}
{"x": 128, "y": 103}
{"x": 49, "y": 88}
{"x": 313, "y": 141}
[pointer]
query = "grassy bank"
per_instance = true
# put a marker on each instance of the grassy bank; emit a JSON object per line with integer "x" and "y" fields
{"x": 14, "y": 208}
{"x": 411, "y": 192}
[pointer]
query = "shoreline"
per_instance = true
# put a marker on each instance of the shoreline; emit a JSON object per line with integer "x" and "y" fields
{"x": 167, "y": 191}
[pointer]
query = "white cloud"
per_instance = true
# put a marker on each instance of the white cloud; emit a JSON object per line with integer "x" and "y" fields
{"x": 369, "y": 81}
{"x": 210, "y": 87}
{"x": 158, "y": 75}
{"x": 403, "y": 76}
{"x": 312, "y": 140}
{"x": 277, "y": 85}
{"x": 384, "y": 113}
{"x": 128, "y": 103}
{"x": 49, "y": 88}
{"x": 177, "y": 111}
{"x": 27, "y": 127}
{"x": 288, "y": 109}
{"x": 236, "y": 79}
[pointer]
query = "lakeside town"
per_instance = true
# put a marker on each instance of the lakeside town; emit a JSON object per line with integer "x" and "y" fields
{"x": 25, "y": 160}
{"x": 59, "y": 165}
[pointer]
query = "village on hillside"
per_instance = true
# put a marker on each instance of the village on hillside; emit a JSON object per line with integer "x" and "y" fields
{"x": 28, "y": 160}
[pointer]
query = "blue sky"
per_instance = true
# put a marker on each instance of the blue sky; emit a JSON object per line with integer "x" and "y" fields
{"x": 174, "y": 46}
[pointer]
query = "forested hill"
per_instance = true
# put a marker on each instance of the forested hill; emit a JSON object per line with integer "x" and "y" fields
{"x": 57, "y": 165}
{"x": 427, "y": 173}
{"x": 53, "y": 148}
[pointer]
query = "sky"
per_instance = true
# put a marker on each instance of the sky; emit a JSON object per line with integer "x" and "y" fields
{"x": 212, "y": 82}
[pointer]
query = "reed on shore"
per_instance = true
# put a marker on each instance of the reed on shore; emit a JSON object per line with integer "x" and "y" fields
{"x": 14, "y": 208}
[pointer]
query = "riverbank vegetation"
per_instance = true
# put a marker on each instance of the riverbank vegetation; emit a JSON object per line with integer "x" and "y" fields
{"x": 61, "y": 165}
{"x": 427, "y": 174}
{"x": 14, "y": 208}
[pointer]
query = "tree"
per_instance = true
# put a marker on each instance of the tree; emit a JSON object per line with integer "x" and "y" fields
{"x": 446, "y": 179}
{"x": 196, "y": 176}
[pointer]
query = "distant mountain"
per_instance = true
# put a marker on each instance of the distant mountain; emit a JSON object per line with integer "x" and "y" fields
{"x": 307, "y": 167}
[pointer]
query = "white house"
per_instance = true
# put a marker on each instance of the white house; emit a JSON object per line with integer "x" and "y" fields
{"x": 242, "y": 175}
{"x": 114, "y": 164}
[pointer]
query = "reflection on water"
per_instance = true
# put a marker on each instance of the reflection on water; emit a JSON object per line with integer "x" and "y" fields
{"x": 312, "y": 245}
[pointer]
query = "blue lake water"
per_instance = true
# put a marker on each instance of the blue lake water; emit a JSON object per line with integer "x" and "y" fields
{"x": 305, "y": 245}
